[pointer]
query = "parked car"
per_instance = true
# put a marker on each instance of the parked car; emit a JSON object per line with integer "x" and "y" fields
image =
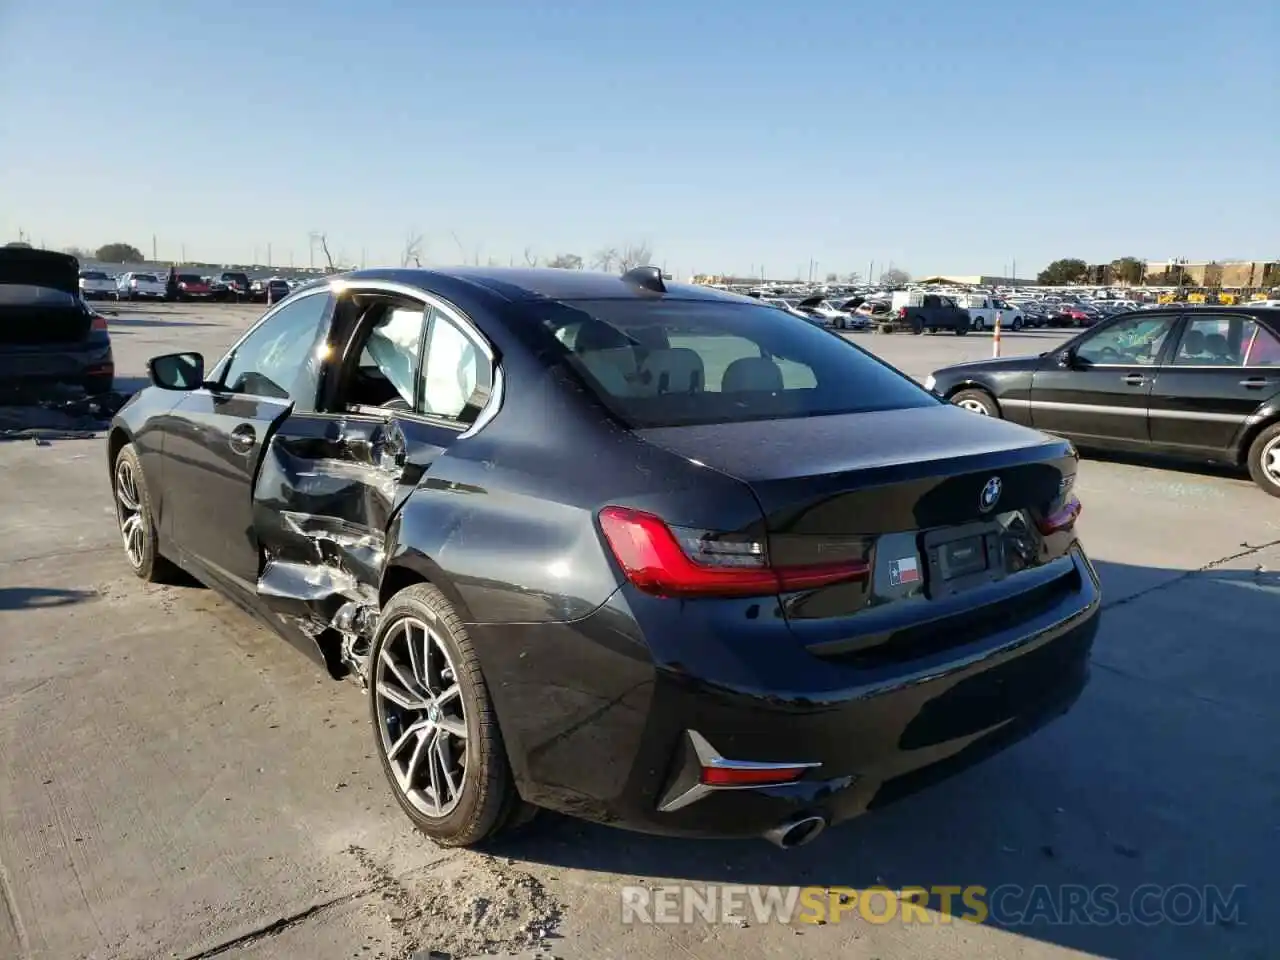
{"x": 1072, "y": 315}
{"x": 237, "y": 284}
{"x": 1202, "y": 384}
{"x": 139, "y": 286}
{"x": 192, "y": 286}
{"x": 982, "y": 310}
{"x": 792, "y": 586}
{"x": 48, "y": 334}
{"x": 96, "y": 285}
{"x": 829, "y": 315}
{"x": 929, "y": 311}
{"x": 873, "y": 310}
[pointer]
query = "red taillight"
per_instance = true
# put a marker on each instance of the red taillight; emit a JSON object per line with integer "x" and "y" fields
{"x": 902, "y": 313}
{"x": 99, "y": 322}
{"x": 744, "y": 776}
{"x": 1063, "y": 518}
{"x": 654, "y": 560}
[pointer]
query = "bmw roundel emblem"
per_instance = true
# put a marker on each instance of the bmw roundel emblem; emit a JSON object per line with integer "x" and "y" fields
{"x": 990, "y": 495}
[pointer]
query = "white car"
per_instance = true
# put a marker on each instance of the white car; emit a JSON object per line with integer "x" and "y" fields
{"x": 96, "y": 285}
{"x": 139, "y": 286}
{"x": 828, "y": 313}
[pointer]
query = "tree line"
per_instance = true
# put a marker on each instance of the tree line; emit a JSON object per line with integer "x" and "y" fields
{"x": 1127, "y": 271}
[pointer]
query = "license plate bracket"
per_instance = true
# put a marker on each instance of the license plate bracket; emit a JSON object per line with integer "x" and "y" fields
{"x": 960, "y": 558}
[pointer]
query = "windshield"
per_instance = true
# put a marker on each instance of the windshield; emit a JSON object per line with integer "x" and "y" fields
{"x": 30, "y": 295}
{"x": 695, "y": 362}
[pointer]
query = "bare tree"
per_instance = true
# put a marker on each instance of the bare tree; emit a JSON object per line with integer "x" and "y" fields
{"x": 530, "y": 258}
{"x": 853, "y": 276}
{"x": 565, "y": 261}
{"x": 412, "y": 252}
{"x": 894, "y": 277}
{"x": 605, "y": 259}
{"x": 634, "y": 255}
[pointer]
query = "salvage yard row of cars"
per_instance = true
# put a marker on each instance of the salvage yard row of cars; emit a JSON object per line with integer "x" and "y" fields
{"x": 231, "y": 285}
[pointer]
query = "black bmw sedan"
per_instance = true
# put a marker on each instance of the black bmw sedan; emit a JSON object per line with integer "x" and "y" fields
{"x": 1191, "y": 382}
{"x": 653, "y": 555}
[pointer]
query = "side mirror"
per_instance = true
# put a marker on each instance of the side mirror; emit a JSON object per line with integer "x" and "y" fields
{"x": 1066, "y": 360}
{"x": 177, "y": 371}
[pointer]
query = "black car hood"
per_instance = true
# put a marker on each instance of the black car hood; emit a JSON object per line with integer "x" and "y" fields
{"x": 1025, "y": 361}
{"x": 770, "y": 449}
{"x": 40, "y": 268}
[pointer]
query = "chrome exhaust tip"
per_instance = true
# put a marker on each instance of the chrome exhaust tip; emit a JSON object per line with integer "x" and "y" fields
{"x": 796, "y": 833}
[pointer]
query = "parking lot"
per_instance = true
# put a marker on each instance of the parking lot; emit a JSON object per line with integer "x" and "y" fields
{"x": 176, "y": 782}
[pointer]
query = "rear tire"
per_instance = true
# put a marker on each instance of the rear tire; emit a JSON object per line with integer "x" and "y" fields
{"x": 98, "y": 384}
{"x": 917, "y": 326}
{"x": 1016, "y": 325}
{"x": 422, "y": 644}
{"x": 1264, "y": 460}
{"x": 962, "y": 327}
{"x": 980, "y": 324}
{"x": 977, "y": 401}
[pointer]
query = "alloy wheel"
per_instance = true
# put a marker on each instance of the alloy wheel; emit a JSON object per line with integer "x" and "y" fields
{"x": 133, "y": 529}
{"x": 973, "y": 406}
{"x": 422, "y": 719}
{"x": 1271, "y": 461}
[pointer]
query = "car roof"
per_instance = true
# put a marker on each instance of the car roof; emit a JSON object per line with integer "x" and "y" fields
{"x": 545, "y": 283}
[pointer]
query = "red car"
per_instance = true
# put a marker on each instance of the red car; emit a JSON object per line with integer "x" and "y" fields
{"x": 1073, "y": 316}
{"x": 192, "y": 287}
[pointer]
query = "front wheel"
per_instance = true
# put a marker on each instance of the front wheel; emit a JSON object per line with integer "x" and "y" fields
{"x": 979, "y": 324}
{"x": 1264, "y": 460}
{"x": 136, "y": 519}
{"x": 1016, "y": 325}
{"x": 434, "y": 724}
{"x": 977, "y": 401}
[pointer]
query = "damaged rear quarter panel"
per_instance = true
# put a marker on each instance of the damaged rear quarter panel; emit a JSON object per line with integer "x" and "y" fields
{"x": 502, "y": 555}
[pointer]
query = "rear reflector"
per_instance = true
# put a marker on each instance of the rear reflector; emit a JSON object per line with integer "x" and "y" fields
{"x": 1063, "y": 518}
{"x": 709, "y": 565}
{"x": 750, "y": 776}
{"x": 99, "y": 322}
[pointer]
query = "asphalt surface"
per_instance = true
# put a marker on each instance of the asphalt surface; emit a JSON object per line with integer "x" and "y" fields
{"x": 177, "y": 782}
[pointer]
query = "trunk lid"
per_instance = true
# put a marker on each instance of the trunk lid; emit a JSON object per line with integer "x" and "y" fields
{"x": 40, "y": 268}
{"x": 40, "y": 298}
{"x": 941, "y": 504}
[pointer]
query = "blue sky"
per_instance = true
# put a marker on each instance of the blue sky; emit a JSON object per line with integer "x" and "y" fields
{"x": 939, "y": 135}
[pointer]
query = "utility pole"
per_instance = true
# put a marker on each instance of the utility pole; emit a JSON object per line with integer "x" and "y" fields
{"x": 268, "y": 254}
{"x": 871, "y": 272}
{"x": 183, "y": 248}
{"x": 153, "y": 248}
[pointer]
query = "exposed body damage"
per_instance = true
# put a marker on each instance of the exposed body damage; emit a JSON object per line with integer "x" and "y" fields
{"x": 322, "y": 502}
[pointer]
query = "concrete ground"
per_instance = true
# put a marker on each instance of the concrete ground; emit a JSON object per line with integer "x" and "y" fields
{"x": 176, "y": 782}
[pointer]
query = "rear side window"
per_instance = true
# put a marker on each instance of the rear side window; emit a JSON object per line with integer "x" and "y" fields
{"x": 672, "y": 363}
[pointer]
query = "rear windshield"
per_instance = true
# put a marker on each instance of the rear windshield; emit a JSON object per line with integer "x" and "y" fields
{"x": 673, "y": 363}
{"x": 93, "y": 275}
{"x": 30, "y": 295}
{"x": 190, "y": 278}
{"x": 145, "y": 278}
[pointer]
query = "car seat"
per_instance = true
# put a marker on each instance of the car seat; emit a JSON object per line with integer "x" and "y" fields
{"x": 751, "y": 373}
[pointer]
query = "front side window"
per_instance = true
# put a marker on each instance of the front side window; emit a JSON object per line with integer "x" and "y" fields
{"x": 456, "y": 377}
{"x": 673, "y": 362}
{"x": 278, "y": 354}
{"x": 1131, "y": 341}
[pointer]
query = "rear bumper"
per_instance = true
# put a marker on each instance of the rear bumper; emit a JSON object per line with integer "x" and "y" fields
{"x": 22, "y": 365}
{"x": 596, "y": 730}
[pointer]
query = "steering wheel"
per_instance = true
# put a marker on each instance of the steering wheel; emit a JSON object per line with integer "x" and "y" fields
{"x": 1109, "y": 352}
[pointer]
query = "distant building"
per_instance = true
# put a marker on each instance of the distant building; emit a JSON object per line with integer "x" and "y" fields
{"x": 982, "y": 280}
{"x": 1231, "y": 274}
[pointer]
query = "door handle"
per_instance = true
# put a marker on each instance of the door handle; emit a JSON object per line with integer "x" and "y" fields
{"x": 1254, "y": 383}
{"x": 242, "y": 439}
{"x": 1135, "y": 379}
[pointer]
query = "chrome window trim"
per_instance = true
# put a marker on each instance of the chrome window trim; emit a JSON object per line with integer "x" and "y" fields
{"x": 469, "y": 330}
